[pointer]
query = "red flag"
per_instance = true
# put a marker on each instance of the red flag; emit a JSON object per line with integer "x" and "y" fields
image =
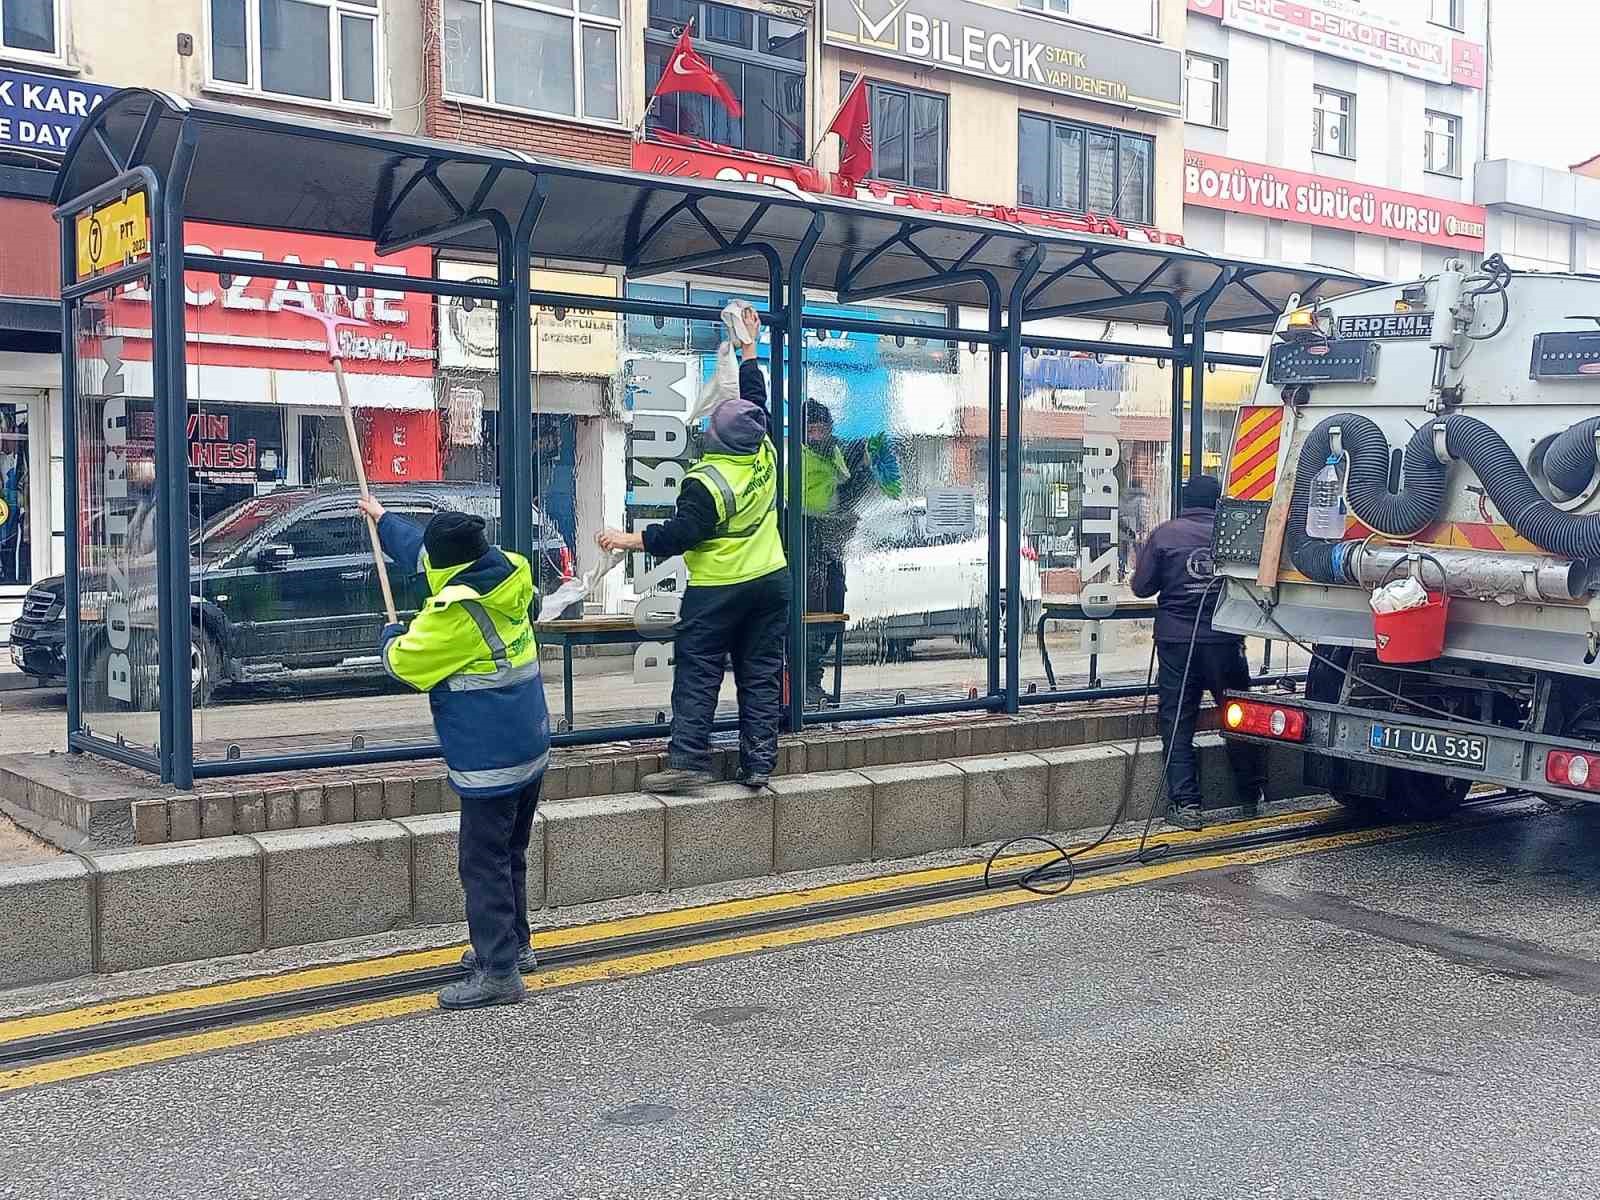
{"x": 853, "y": 124}
{"x": 686, "y": 71}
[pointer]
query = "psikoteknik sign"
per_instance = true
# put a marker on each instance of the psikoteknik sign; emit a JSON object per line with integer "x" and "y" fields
{"x": 1012, "y": 47}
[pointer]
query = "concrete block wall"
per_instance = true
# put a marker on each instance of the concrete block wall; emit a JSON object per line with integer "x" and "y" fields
{"x": 120, "y": 909}
{"x": 312, "y": 800}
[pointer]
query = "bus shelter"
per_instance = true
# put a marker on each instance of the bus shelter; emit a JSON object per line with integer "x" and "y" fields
{"x": 532, "y": 333}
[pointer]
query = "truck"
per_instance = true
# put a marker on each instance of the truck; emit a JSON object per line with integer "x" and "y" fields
{"x": 1461, "y": 413}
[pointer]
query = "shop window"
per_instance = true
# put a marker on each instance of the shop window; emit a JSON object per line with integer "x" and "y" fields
{"x": 16, "y": 542}
{"x": 761, "y": 57}
{"x": 1441, "y": 143}
{"x": 1451, "y": 13}
{"x": 1333, "y": 127}
{"x": 1084, "y": 168}
{"x": 322, "y": 51}
{"x": 538, "y": 56}
{"x": 1205, "y": 100}
{"x": 32, "y": 29}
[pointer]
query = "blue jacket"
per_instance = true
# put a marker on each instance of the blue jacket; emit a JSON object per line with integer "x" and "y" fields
{"x": 472, "y": 649}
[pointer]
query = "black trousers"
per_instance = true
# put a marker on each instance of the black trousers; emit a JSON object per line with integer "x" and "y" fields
{"x": 494, "y": 874}
{"x": 824, "y": 593}
{"x": 744, "y": 621}
{"x": 1216, "y": 667}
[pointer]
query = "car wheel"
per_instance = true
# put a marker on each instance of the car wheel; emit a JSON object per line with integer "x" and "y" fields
{"x": 205, "y": 666}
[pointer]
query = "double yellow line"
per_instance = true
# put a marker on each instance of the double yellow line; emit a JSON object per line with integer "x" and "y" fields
{"x": 625, "y": 965}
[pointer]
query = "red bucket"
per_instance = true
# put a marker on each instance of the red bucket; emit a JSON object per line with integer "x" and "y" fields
{"x": 1413, "y": 634}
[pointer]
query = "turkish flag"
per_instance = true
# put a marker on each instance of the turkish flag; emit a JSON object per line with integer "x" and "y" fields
{"x": 853, "y": 124}
{"x": 686, "y": 71}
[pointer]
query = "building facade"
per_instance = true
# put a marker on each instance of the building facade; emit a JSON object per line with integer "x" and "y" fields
{"x": 1539, "y": 218}
{"x": 1327, "y": 131}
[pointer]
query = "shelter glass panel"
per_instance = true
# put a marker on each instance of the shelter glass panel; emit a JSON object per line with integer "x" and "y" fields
{"x": 115, "y": 528}
{"x": 1096, "y": 474}
{"x": 896, "y": 469}
{"x": 289, "y": 602}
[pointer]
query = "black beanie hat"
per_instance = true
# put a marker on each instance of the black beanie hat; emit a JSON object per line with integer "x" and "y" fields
{"x": 817, "y": 413}
{"x": 1201, "y": 492}
{"x": 454, "y": 538}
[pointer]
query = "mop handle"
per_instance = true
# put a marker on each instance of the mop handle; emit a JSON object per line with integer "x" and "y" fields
{"x": 361, "y": 482}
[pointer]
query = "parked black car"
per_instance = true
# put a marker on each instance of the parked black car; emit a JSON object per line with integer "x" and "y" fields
{"x": 284, "y": 589}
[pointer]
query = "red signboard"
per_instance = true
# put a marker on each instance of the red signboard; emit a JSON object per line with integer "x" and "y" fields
{"x": 243, "y": 323}
{"x": 1360, "y": 33}
{"x": 1212, "y": 181}
{"x": 401, "y": 447}
{"x": 701, "y": 160}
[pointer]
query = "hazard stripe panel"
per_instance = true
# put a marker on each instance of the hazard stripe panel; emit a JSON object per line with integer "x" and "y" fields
{"x": 1253, "y": 467}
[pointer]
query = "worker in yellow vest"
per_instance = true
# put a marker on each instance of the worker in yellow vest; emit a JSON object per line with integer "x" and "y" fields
{"x": 737, "y": 601}
{"x": 837, "y": 475}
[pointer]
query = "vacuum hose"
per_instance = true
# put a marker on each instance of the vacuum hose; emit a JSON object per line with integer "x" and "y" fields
{"x": 1504, "y": 478}
{"x": 1570, "y": 461}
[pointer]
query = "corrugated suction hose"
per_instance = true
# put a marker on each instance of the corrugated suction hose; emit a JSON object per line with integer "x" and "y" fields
{"x": 1467, "y": 439}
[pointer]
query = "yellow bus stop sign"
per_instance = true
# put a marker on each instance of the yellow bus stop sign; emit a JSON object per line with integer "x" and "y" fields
{"x": 113, "y": 235}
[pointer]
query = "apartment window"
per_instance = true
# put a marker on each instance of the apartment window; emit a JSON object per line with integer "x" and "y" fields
{"x": 551, "y": 57}
{"x": 1205, "y": 100}
{"x": 323, "y": 51}
{"x": 1333, "y": 129}
{"x": 1442, "y": 144}
{"x": 762, "y": 58}
{"x": 32, "y": 29}
{"x": 1127, "y": 16}
{"x": 1449, "y": 12}
{"x": 1084, "y": 168}
{"x": 908, "y": 135}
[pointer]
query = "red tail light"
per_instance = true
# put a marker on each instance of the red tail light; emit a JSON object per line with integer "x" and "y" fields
{"x": 1265, "y": 720}
{"x": 1567, "y": 768}
{"x": 564, "y": 562}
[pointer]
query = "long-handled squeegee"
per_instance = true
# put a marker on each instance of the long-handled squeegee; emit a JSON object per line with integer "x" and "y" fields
{"x": 331, "y": 324}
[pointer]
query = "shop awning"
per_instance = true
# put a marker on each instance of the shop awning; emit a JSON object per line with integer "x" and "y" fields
{"x": 270, "y": 171}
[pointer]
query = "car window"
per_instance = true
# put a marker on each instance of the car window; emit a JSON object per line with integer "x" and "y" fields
{"x": 890, "y": 529}
{"x": 230, "y": 529}
{"x": 326, "y": 536}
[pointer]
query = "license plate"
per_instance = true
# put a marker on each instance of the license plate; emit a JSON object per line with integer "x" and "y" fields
{"x": 1407, "y": 741}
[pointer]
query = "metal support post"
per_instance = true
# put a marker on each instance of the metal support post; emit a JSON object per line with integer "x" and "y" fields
{"x": 794, "y": 436}
{"x": 172, "y": 470}
{"x": 69, "y": 475}
{"x": 1014, "y": 319}
{"x": 776, "y": 411}
{"x": 1179, "y": 395}
{"x": 516, "y": 382}
{"x": 1197, "y": 373}
{"x": 996, "y": 470}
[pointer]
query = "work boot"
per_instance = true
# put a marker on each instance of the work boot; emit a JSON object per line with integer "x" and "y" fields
{"x": 816, "y": 698}
{"x": 754, "y": 779}
{"x": 1185, "y": 816}
{"x": 480, "y": 990}
{"x": 1255, "y": 802}
{"x": 527, "y": 963}
{"x": 675, "y": 779}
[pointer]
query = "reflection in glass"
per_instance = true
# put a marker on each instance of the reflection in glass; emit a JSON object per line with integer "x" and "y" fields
{"x": 118, "y": 643}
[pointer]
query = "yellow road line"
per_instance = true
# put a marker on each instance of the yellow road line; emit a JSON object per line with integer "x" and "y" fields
{"x": 256, "y": 987}
{"x": 648, "y": 962}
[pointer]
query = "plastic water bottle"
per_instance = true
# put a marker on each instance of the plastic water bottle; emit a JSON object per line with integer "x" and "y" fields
{"x": 1326, "y": 518}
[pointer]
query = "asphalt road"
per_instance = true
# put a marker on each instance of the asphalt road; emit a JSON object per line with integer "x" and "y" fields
{"x": 1410, "y": 1018}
